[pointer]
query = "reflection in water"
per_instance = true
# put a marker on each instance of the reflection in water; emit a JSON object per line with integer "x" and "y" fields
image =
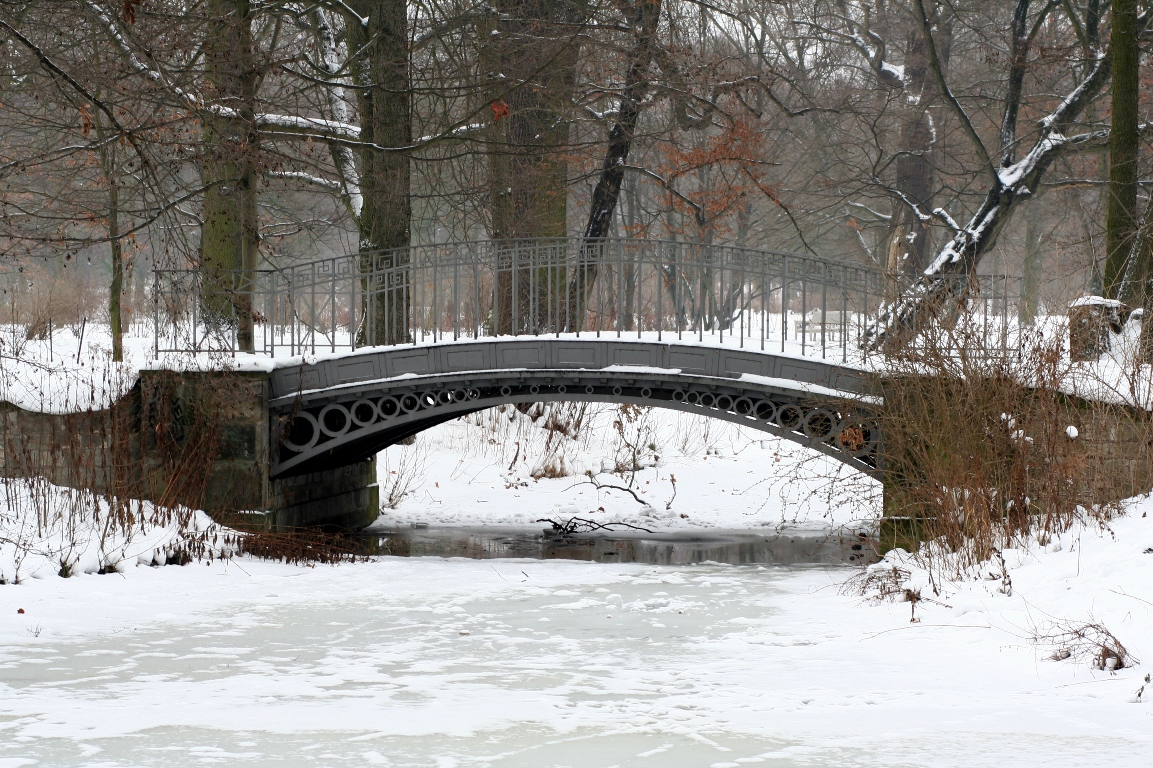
{"x": 679, "y": 548}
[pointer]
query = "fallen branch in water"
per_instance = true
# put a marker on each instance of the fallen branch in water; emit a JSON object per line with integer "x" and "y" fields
{"x": 584, "y": 525}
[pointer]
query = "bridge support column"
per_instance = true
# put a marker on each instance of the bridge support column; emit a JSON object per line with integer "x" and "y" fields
{"x": 229, "y": 413}
{"x": 898, "y": 529}
{"x": 345, "y": 497}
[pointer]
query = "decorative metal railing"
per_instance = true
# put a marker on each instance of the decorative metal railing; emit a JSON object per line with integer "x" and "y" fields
{"x": 650, "y": 288}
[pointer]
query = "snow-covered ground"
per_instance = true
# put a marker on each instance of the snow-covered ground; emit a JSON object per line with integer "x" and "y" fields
{"x": 432, "y": 662}
{"x": 505, "y": 467}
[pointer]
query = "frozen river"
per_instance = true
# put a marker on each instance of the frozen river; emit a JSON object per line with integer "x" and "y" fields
{"x": 455, "y": 663}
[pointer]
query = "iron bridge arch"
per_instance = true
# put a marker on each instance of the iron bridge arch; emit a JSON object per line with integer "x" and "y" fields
{"x": 333, "y": 412}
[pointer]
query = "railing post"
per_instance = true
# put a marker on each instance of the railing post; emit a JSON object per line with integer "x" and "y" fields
{"x": 353, "y": 282}
{"x": 155, "y": 313}
{"x": 784, "y": 301}
{"x": 741, "y": 301}
{"x": 702, "y": 301}
{"x": 824, "y": 303}
{"x": 620, "y": 287}
{"x": 456, "y": 298}
{"x": 844, "y": 313}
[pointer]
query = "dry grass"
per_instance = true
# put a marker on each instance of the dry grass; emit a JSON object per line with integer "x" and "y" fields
{"x": 1084, "y": 642}
{"x": 979, "y": 456}
{"x": 301, "y": 546}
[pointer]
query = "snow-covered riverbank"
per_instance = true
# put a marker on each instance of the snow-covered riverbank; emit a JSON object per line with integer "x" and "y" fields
{"x": 434, "y": 662}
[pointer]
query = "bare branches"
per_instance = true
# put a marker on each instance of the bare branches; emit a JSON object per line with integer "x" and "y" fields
{"x": 938, "y": 70}
{"x": 575, "y": 525}
{"x": 58, "y": 72}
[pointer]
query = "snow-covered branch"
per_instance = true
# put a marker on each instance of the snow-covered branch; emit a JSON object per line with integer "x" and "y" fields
{"x": 889, "y": 74}
{"x": 458, "y": 132}
{"x": 945, "y": 279}
{"x": 306, "y": 126}
{"x": 876, "y": 214}
{"x": 343, "y": 6}
{"x": 307, "y": 178}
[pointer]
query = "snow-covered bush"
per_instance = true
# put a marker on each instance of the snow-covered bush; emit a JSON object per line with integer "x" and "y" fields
{"x": 48, "y": 530}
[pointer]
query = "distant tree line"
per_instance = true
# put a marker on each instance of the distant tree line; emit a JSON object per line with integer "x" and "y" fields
{"x": 227, "y": 135}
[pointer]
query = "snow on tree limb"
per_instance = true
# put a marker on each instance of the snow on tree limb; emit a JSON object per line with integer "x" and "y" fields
{"x": 339, "y": 131}
{"x": 309, "y": 126}
{"x": 945, "y": 280}
{"x": 307, "y": 178}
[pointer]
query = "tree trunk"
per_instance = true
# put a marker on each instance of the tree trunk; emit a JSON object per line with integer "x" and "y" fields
{"x": 910, "y": 238}
{"x": 630, "y": 209}
{"x": 1121, "y": 213}
{"x": 1031, "y": 274}
{"x": 230, "y": 234}
{"x": 381, "y": 75}
{"x": 1139, "y": 274}
{"x": 116, "y": 288}
{"x": 107, "y": 155}
{"x": 531, "y": 55}
{"x": 644, "y": 21}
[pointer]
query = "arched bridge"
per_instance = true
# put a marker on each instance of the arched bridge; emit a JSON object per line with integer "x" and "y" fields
{"x": 337, "y": 411}
{"x": 414, "y": 337}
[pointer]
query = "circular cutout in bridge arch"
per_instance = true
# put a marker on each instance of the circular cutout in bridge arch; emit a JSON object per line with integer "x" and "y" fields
{"x": 708, "y": 400}
{"x": 647, "y": 393}
{"x": 534, "y": 389}
{"x": 589, "y": 389}
{"x": 724, "y": 402}
{"x": 819, "y": 424}
{"x": 562, "y": 389}
{"x": 334, "y": 420}
{"x": 743, "y": 406}
{"x": 617, "y": 391}
{"x": 505, "y": 391}
{"x": 765, "y": 410}
{"x": 388, "y": 406}
{"x": 789, "y": 416}
{"x": 692, "y": 398}
{"x": 409, "y": 403}
{"x": 679, "y": 396}
{"x": 303, "y": 433}
{"x": 427, "y": 399}
{"x": 363, "y": 412}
